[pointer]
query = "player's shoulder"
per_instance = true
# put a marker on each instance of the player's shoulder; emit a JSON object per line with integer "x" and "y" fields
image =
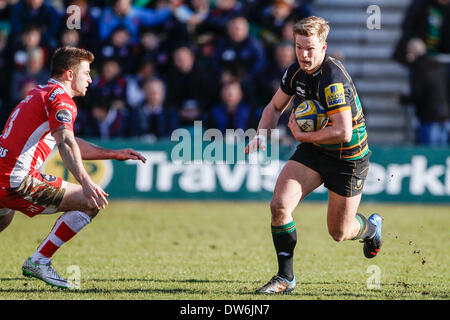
{"x": 49, "y": 90}
{"x": 294, "y": 67}
{"x": 333, "y": 71}
{"x": 39, "y": 94}
{"x": 55, "y": 91}
{"x": 61, "y": 108}
{"x": 56, "y": 94}
{"x": 290, "y": 74}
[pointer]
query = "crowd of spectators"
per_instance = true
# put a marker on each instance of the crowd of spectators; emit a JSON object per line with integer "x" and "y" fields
{"x": 425, "y": 49}
{"x": 160, "y": 64}
{"x": 163, "y": 64}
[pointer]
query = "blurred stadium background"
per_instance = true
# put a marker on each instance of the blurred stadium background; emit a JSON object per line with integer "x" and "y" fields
{"x": 145, "y": 86}
{"x": 143, "y": 48}
{"x": 161, "y": 65}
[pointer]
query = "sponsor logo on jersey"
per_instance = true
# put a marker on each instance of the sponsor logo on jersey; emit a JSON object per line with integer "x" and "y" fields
{"x": 64, "y": 115}
{"x": 55, "y": 93}
{"x": 66, "y": 105}
{"x": 3, "y": 152}
{"x": 48, "y": 177}
{"x": 300, "y": 91}
{"x": 335, "y": 94}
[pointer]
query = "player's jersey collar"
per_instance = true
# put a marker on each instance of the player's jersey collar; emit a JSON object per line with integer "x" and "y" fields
{"x": 318, "y": 71}
{"x": 51, "y": 80}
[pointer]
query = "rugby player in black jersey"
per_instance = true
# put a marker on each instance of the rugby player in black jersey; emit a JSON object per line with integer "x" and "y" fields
{"x": 337, "y": 155}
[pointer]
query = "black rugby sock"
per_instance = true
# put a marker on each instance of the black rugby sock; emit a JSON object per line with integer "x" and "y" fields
{"x": 284, "y": 239}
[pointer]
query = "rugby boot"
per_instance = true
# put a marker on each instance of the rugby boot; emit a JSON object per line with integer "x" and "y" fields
{"x": 278, "y": 285}
{"x": 44, "y": 272}
{"x": 373, "y": 244}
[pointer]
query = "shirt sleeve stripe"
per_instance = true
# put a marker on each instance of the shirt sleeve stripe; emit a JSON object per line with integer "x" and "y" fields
{"x": 341, "y": 109}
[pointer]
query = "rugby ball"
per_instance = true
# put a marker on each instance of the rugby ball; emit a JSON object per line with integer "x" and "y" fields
{"x": 310, "y": 116}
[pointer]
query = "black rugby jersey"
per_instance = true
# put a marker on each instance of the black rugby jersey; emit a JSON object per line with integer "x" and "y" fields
{"x": 332, "y": 86}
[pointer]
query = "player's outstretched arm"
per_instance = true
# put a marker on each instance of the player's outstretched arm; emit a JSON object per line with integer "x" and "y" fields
{"x": 269, "y": 120}
{"x": 90, "y": 151}
{"x": 71, "y": 156}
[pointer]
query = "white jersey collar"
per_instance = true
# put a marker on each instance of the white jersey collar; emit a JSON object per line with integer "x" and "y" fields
{"x": 51, "y": 80}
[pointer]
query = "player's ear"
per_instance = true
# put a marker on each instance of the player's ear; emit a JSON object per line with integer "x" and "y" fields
{"x": 69, "y": 74}
{"x": 325, "y": 45}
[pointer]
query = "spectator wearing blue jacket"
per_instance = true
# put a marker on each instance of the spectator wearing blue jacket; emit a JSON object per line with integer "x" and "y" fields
{"x": 38, "y": 13}
{"x": 122, "y": 13}
{"x": 232, "y": 112}
{"x": 239, "y": 47}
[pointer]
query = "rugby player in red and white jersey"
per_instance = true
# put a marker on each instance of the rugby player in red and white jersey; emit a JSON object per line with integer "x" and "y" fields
{"x": 41, "y": 121}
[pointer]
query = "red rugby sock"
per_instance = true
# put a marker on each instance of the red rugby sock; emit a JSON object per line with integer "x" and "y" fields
{"x": 65, "y": 228}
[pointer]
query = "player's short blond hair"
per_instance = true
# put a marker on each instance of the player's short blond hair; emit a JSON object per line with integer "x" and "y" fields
{"x": 312, "y": 26}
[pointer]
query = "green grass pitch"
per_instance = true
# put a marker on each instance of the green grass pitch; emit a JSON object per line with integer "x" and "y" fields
{"x": 223, "y": 250}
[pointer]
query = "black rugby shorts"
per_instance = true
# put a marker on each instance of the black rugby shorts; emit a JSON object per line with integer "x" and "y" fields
{"x": 344, "y": 177}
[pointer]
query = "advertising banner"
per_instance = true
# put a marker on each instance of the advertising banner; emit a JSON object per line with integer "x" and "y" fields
{"x": 396, "y": 174}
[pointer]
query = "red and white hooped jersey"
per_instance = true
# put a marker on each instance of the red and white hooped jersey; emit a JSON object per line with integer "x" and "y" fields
{"x": 27, "y": 138}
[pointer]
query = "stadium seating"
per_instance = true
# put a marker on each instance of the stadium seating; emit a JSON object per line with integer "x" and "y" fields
{"x": 367, "y": 54}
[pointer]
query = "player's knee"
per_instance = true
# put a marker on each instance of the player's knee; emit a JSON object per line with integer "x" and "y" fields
{"x": 5, "y": 220}
{"x": 92, "y": 212}
{"x": 278, "y": 209}
{"x": 3, "y": 225}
